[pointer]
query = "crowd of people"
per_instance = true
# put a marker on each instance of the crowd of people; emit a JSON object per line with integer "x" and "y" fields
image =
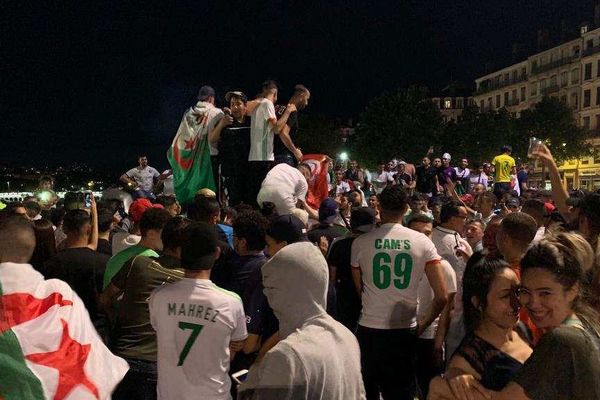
{"x": 435, "y": 281}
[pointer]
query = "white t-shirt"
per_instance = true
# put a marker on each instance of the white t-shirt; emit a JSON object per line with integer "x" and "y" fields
{"x": 261, "y": 132}
{"x": 124, "y": 240}
{"x": 342, "y": 187}
{"x": 168, "y": 184}
{"x": 392, "y": 260}
{"x": 214, "y": 115}
{"x": 195, "y": 321}
{"x": 284, "y": 185}
{"x": 143, "y": 177}
{"x": 425, "y": 295}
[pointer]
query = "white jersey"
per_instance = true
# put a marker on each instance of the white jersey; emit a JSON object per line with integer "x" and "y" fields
{"x": 392, "y": 260}
{"x": 261, "y": 132}
{"x": 284, "y": 185}
{"x": 143, "y": 177}
{"x": 425, "y": 296}
{"x": 195, "y": 321}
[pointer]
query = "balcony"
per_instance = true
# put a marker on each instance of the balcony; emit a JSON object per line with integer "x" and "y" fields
{"x": 549, "y": 90}
{"x": 512, "y": 102}
{"x": 538, "y": 69}
{"x": 488, "y": 86}
{"x": 591, "y": 50}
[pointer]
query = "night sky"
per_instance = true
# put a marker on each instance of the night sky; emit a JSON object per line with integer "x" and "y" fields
{"x": 100, "y": 82}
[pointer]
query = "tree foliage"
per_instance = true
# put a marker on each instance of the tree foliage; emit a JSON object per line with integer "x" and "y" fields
{"x": 318, "y": 134}
{"x": 397, "y": 124}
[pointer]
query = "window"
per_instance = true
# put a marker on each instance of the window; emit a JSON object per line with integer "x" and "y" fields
{"x": 575, "y": 76}
{"x": 514, "y": 75}
{"x": 523, "y": 93}
{"x": 586, "y": 122}
{"x": 459, "y": 103}
{"x": 574, "y": 101}
{"x": 576, "y": 51}
{"x": 597, "y": 127}
{"x": 542, "y": 85}
{"x": 497, "y": 101}
{"x": 515, "y": 99}
{"x": 506, "y": 77}
{"x": 534, "y": 64}
{"x": 563, "y": 98}
{"x": 587, "y": 98}
{"x": 589, "y": 43}
{"x": 587, "y": 71}
{"x": 482, "y": 106}
{"x": 598, "y": 96}
{"x": 523, "y": 72}
{"x": 534, "y": 89}
{"x": 585, "y": 160}
{"x": 447, "y": 103}
{"x": 505, "y": 99}
{"x": 598, "y": 69}
{"x": 564, "y": 79}
{"x": 584, "y": 29}
{"x": 489, "y": 103}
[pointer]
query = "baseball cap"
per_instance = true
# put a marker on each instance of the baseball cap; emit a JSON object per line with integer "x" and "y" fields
{"x": 287, "y": 228}
{"x": 328, "y": 211}
{"x": 205, "y": 92}
{"x": 446, "y": 156}
{"x": 236, "y": 93}
{"x": 362, "y": 219}
{"x": 138, "y": 207}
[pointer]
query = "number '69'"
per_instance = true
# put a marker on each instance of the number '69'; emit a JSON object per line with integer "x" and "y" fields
{"x": 382, "y": 270}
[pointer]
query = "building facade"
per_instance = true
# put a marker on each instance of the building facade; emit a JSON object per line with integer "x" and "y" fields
{"x": 452, "y": 101}
{"x": 570, "y": 72}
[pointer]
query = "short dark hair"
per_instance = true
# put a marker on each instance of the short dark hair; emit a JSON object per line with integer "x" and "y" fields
{"x": 298, "y": 89}
{"x": 57, "y": 215}
{"x": 450, "y": 209}
{"x": 105, "y": 220}
{"x": 166, "y": 201}
{"x": 197, "y": 251}
{"x": 507, "y": 148}
{"x": 154, "y": 218}
{"x": 251, "y": 226}
{"x": 33, "y": 208}
{"x": 174, "y": 233}
{"x": 268, "y": 85}
{"x": 534, "y": 207}
{"x": 393, "y": 199}
{"x": 520, "y": 227}
{"x": 203, "y": 208}
{"x": 589, "y": 207}
{"x": 46, "y": 178}
{"x": 420, "y": 218}
{"x": 75, "y": 220}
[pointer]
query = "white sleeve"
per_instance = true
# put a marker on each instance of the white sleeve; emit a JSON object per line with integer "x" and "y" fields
{"x": 216, "y": 117}
{"x": 449, "y": 276}
{"x": 431, "y": 253}
{"x": 355, "y": 254}
{"x": 239, "y": 332}
{"x": 301, "y": 188}
{"x": 130, "y": 172}
{"x": 270, "y": 111}
{"x": 155, "y": 173}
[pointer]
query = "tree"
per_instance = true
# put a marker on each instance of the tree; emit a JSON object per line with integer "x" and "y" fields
{"x": 552, "y": 121}
{"x": 397, "y": 124}
{"x": 317, "y": 134}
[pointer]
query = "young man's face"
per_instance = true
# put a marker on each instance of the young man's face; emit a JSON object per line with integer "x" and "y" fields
{"x": 238, "y": 107}
{"x": 445, "y": 162}
{"x": 425, "y": 161}
{"x": 464, "y": 163}
{"x": 426, "y": 228}
{"x": 303, "y": 100}
{"x": 437, "y": 162}
{"x": 339, "y": 176}
{"x": 143, "y": 162}
{"x": 353, "y": 164}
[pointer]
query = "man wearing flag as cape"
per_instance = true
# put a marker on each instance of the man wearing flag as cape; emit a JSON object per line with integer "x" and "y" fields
{"x": 189, "y": 154}
{"x": 49, "y": 348}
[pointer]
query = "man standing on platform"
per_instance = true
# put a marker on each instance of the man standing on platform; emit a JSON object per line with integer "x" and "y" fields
{"x": 285, "y": 150}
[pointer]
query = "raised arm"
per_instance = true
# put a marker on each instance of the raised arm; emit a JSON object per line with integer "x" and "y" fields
{"x": 559, "y": 193}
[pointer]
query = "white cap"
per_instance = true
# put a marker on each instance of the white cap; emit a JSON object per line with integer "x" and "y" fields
{"x": 446, "y": 156}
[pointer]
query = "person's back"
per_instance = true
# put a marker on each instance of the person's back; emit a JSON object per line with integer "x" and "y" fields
{"x": 317, "y": 358}
{"x": 195, "y": 323}
{"x": 503, "y": 165}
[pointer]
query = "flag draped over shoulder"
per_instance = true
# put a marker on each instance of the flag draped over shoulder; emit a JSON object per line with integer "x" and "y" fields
{"x": 318, "y": 188}
{"x": 189, "y": 155}
{"x": 49, "y": 348}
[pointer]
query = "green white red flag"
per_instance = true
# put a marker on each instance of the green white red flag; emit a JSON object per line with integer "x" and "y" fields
{"x": 189, "y": 154}
{"x": 49, "y": 348}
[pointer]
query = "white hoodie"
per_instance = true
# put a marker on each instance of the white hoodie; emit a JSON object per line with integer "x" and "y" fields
{"x": 317, "y": 358}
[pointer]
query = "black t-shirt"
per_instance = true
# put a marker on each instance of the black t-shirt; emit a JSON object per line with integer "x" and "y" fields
{"x": 260, "y": 319}
{"x": 292, "y": 123}
{"x": 329, "y": 231}
{"x": 426, "y": 179}
{"x": 348, "y": 303}
{"x": 83, "y": 269}
{"x": 234, "y": 145}
{"x": 104, "y": 247}
{"x": 522, "y": 176}
{"x": 243, "y": 268}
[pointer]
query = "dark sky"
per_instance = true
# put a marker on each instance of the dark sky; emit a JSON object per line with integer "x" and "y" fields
{"x": 98, "y": 81}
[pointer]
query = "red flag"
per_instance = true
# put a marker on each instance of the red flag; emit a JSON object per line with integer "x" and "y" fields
{"x": 318, "y": 189}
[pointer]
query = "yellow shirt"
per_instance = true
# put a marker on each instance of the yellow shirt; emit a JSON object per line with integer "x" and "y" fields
{"x": 504, "y": 165}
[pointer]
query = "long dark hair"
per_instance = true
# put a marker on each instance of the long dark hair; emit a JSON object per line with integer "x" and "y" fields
{"x": 45, "y": 244}
{"x": 568, "y": 257}
{"x": 477, "y": 280}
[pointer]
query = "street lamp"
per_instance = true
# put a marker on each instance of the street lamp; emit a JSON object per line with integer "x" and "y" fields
{"x": 344, "y": 156}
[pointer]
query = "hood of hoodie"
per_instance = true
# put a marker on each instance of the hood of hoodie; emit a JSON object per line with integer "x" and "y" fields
{"x": 201, "y": 108}
{"x": 296, "y": 281}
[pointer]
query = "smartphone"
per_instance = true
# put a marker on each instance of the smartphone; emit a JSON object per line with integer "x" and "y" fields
{"x": 240, "y": 376}
{"x": 87, "y": 199}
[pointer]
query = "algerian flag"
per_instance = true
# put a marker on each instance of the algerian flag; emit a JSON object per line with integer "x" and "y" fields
{"x": 49, "y": 348}
{"x": 189, "y": 154}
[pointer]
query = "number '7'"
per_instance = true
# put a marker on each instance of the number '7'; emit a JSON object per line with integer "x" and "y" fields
{"x": 196, "y": 329}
